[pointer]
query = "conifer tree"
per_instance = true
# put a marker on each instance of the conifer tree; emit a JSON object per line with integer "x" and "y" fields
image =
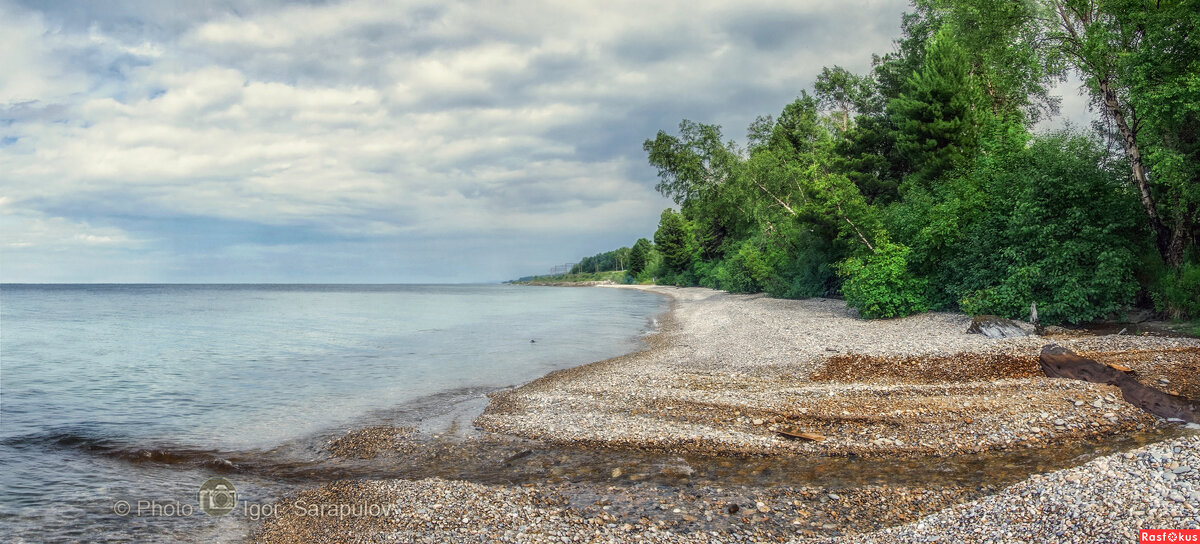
{"x": 935, "y": 118}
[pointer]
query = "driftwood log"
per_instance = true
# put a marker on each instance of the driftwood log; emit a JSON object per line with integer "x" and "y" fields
{"x": 1059, "y": 362}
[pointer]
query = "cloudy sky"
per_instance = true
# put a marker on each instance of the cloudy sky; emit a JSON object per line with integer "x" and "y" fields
{"x": 368, "y": 141}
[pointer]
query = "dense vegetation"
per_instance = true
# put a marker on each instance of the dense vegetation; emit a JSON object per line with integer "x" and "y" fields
{"x": 921, "y": 185}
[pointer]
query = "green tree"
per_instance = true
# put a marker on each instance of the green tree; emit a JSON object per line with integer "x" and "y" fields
{"x": 1013, "y": 66}
{"x": 671, "y": 239}
{"x": 794, "y": 175}
{"x": 881, "y": 285}
{"x": 934, "y": 118}
{"x": 700, "y": 173}
{"x": 1139, "y": 60}
{"x": 842, "y": 92}
{"x": 639, "y": 256}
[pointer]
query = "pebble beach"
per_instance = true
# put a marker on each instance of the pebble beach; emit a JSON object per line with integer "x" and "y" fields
{"x": 739, "y": 377}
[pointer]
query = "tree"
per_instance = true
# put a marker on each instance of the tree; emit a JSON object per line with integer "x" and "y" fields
{"x": 1010, "y": 61}
{"x": 639, "y": 256}
{"x": 621, "y": 256}
{"x": 795, "y": 175}
{"x": 841, "y": 91}
{"x": 1139, "y": 62}
{"x": 934, "y": 118}
{"x": 695, "y": 164}
{"x": 700, "y": 173}
{"x": 671, "y": 239}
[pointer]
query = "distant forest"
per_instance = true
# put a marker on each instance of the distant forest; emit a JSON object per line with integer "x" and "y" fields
{"x": 920, "y": 184}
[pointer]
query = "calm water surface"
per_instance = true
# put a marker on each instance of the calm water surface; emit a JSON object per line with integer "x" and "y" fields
{"x": 95, "y": 379}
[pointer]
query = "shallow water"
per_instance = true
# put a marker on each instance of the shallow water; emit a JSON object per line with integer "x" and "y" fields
{"x": 141, "y": 392}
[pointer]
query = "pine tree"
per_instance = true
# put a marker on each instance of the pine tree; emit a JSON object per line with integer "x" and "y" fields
{"x": 935, "y": 118}
{"x": 639, "y": 255}
{"x": 671, "y": 241}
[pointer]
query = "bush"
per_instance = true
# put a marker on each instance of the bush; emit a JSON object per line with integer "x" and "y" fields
{"x": 732, "y": 277}
{"x": 1176, "y": 292}
{"x": 809, "y": 273}
{"x": 881, "y": 285}
{"x": 1060, "y": 230}
{"x": 1042, "y": 219}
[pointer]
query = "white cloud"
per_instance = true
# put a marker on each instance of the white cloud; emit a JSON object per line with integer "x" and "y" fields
{"x": 29, "y": 67}
{"x": 37, "y": 231}
{"x": 386, "y": 120}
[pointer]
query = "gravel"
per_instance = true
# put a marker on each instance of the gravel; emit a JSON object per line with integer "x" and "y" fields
{"x": 723, "y": 362}
{"x": 1105, "y": 500}
{"x": 726, "y": 371}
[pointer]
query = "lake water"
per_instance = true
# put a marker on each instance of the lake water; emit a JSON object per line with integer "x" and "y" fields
{"x": 95, "y": 379}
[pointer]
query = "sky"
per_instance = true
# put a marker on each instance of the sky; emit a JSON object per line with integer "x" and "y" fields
{"x": 373, "y": 142}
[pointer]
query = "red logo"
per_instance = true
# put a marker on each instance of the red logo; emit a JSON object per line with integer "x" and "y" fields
{"x": 1169, "y": 536}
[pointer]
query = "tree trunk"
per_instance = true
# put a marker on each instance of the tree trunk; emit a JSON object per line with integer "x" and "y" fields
{"x": 1162, "y": 236}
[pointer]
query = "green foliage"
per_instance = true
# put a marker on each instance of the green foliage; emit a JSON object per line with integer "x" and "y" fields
{"x": 923, "y": 181}
{"x": 671, "y": 239}
{"x": 639, "y": 256}
{"x": 935, "y": 116}
{"x": 1141, "y": 62}
{"x": 809, "y": 272}
{"x": 1162, "y": 73}
{"x": 1176, "y": 291}
{"x": 842, "y": 92}
{"x": 616, "y": 259}
{"x": 880, "y": 285}
{"x": 1007, "y": 54}
{"x": 615, "y": 276}
{"x": 1047, "y": 222}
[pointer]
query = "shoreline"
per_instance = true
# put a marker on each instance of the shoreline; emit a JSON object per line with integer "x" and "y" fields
{"x": 717, "y": 375}
{"x": 725, "y": 371}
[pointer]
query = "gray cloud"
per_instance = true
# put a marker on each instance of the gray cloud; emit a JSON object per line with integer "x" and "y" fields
{"x": 364, "y": 140}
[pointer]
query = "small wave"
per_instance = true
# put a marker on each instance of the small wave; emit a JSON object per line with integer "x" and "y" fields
{"x": 86, "y": 441}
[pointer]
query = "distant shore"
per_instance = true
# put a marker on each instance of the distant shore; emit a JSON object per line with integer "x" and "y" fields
{"x": 726, "y": 372}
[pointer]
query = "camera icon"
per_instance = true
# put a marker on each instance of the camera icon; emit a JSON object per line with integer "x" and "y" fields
{"x": 217, "y": 497}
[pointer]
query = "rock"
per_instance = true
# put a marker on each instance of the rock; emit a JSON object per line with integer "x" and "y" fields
{"x": 678, "y": 471}
{"x": 834, "y": 497}
{"x": 757, "y": 421}
{"x": 1176, "y": 496}
{"x": 616, "y": 473}
{"x": 994, "y": 326}
{"x": 762, "y": 507}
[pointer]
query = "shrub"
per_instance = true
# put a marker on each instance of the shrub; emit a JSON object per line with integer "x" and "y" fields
{"x": 1176, "y": 292}
{"x": 881, "y": 284}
